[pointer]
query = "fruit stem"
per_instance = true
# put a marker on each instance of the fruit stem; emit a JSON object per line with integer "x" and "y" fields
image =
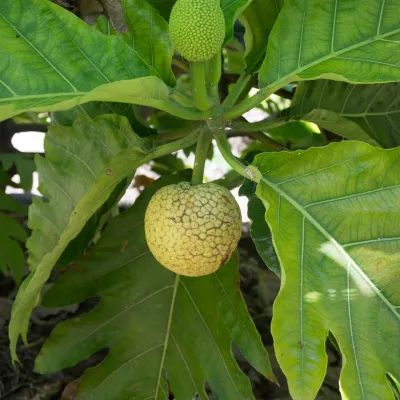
{"x": 223, "y": 145}
{"x": 214, "y": 70}
{"x": 203, "y": 145}
{"x": 199, "y": 86}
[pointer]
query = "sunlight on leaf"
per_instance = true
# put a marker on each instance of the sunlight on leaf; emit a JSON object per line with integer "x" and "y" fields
{"x": 335, "y": 219}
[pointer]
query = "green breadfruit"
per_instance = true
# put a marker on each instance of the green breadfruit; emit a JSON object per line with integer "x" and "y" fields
{"x": 197, "y": 28}
{"x": 193, "y": 230}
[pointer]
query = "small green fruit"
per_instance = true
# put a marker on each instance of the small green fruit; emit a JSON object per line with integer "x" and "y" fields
{"x": 197, "y": 28}
{"x": 193, "y": 230}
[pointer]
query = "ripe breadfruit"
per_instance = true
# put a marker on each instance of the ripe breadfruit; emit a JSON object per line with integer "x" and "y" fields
{"x": 197, "y": 28}
{"x": 193, "y": 230}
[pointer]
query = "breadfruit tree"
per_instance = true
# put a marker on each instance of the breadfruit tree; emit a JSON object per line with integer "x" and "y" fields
{"x": 314, "y": 89}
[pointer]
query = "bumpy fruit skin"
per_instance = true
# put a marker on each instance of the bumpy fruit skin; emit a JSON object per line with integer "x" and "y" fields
{"x": 197, "y": 28}
{"x": 193, "y": 230}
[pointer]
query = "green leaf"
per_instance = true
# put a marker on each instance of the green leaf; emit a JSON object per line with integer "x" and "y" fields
{"x": 163, "y": 7}
{"x": 258, "y": 18}
{"x": 7, "y": 203}
{"x": 83, "y": 166}
{"x": 24, "y": 165}
{"x": 233, "y": 57}
{"x": 97, "y": 108}
{"x": 75, "y": 158}
{"x": 103, "y": 25}
{"x": 355, "y": 42}
{"x": 11, "y": 253}
{"x": 94, "y": 109}
{"x": 232, "y": 9}
{"x": 259, "y": 229}
{"x": 335, "y": 219}
{"x": 165, "y": 333}
{"x": 369, "y": 113}
{"x": 299, "y": 134}
{"x": 40, "y": 79}
{"x": 149, "y": 36}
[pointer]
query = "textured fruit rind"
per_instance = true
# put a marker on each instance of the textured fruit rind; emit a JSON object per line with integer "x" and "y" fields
{"x": 193, "y": 230}
{"x": 197, "y": 28}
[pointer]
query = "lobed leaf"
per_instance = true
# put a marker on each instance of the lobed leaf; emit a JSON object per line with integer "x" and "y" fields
{"x": 335, "y": 221}
{"x": 83, "y": 167}
{"x": 166, "y": 334}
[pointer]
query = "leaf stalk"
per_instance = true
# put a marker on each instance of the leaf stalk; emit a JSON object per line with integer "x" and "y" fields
{"x": 203, "y": 145}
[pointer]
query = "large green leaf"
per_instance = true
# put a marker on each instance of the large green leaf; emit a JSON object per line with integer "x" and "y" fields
{"x": 74, "y": 65}
{"x": 348, "y": 40}
{"x": 149, "y": 35}
{"x": 83, "y": 166}
{"x": 165, "y": 333}
{"x": 369, "y": 113}
{"x": 258, "y": 18}
{"x": 75, "y": 157}
{"x": 334, "y": 213}
{"x": 156, "y": 51}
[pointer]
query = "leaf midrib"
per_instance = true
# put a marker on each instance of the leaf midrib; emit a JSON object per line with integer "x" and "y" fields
{"x": 16, "y": 98}
{"x": 38, "y": 52}
{"x": 301, "y": 209}
{"x": 167, "y": 334}
{"x": 289, "y": 77}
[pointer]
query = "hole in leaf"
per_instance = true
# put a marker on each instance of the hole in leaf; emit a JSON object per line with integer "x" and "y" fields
{"x": 95, "y": 359}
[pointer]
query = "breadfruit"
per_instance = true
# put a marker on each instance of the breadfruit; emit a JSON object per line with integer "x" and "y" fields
{"x": 193, "y": 230}
{"x": 197, "y": 28}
